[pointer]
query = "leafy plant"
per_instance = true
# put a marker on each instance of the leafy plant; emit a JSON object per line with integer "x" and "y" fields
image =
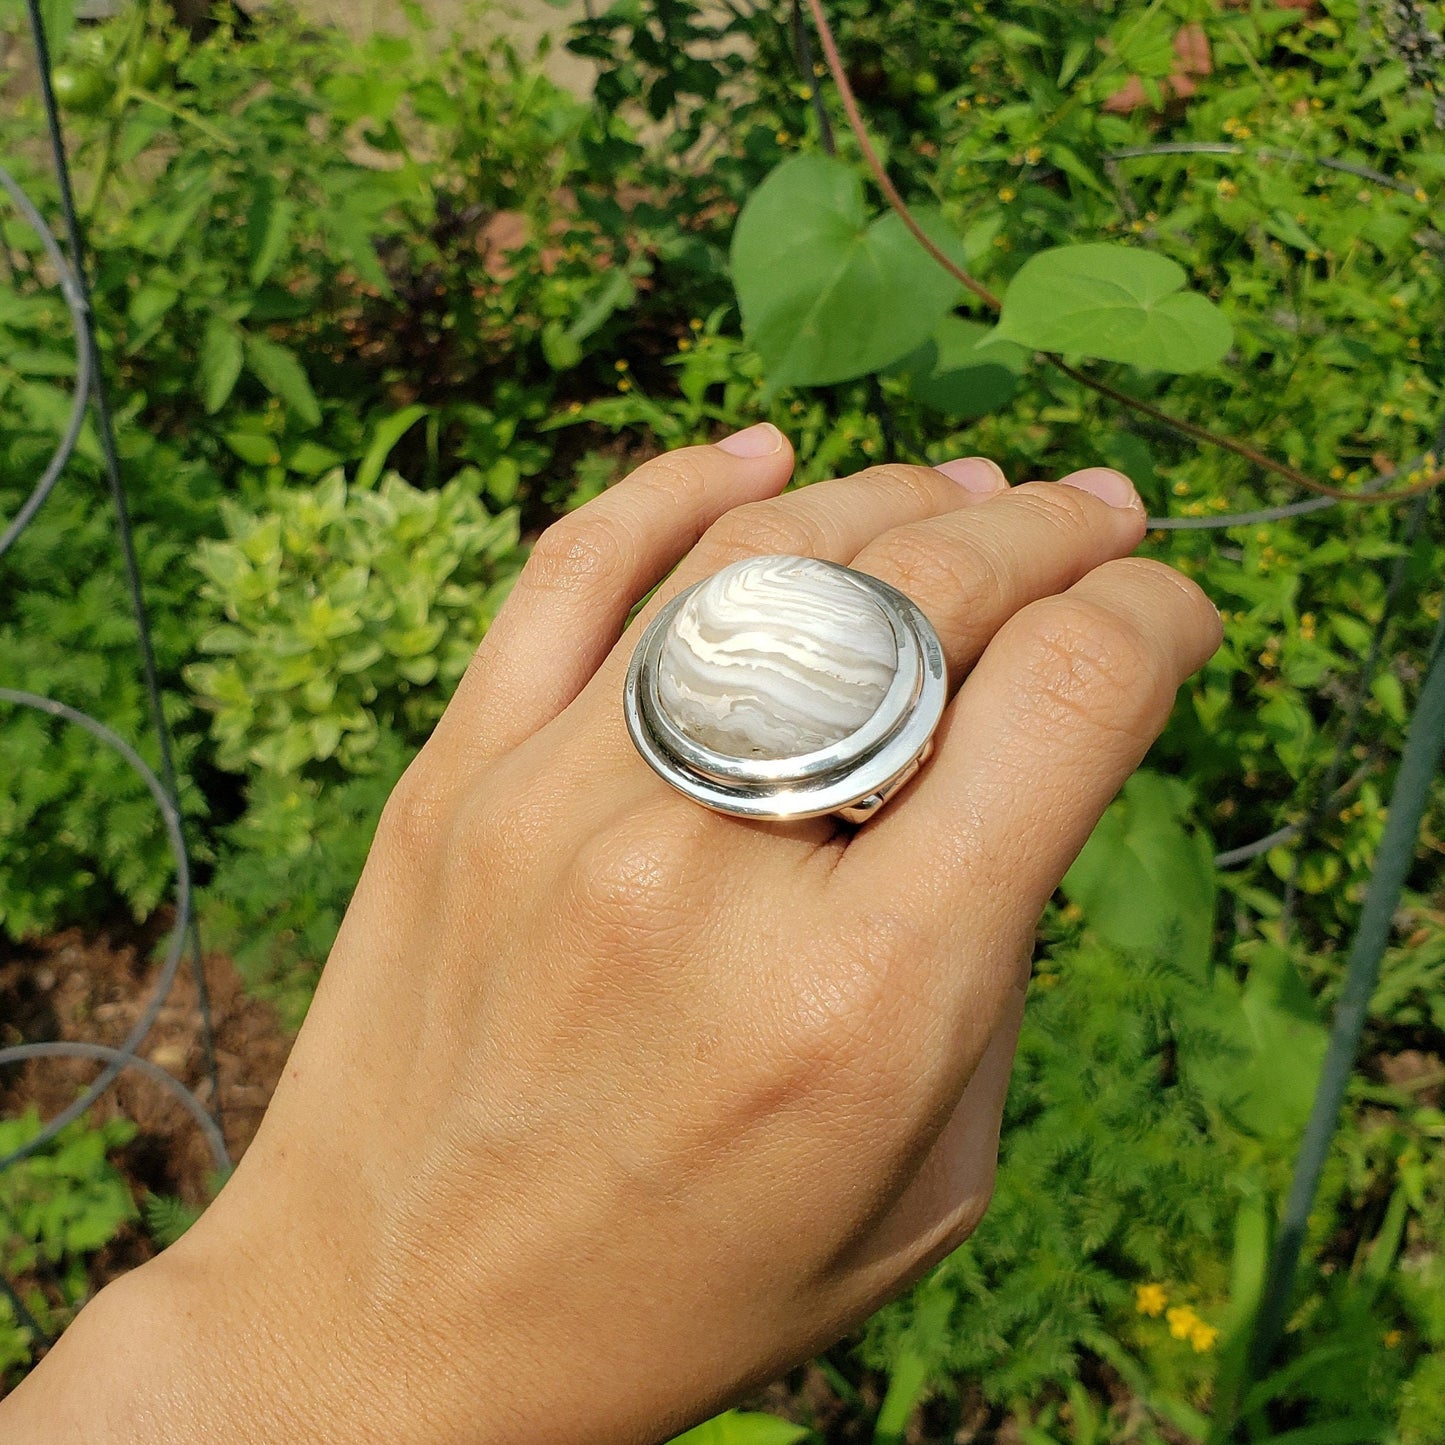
{"x": 335, "y": 611}
{"x": 58, "y": 1206}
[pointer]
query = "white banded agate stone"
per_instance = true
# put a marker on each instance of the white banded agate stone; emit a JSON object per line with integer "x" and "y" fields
{"x": 774, "y": 657}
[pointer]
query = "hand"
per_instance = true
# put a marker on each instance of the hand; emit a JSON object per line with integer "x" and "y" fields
{"x": 609, "y": 1107}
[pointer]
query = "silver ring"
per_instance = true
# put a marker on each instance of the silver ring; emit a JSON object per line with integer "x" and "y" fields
{"x": 787, "y": 687}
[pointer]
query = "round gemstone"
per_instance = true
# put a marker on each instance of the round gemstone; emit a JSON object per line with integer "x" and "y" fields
{"x": 774, "y": 657}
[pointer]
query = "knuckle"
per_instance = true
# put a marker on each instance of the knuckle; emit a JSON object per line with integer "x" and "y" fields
{"x": 1091, "y": 664}
{"x": 577, "y": 554}
{"x": 417, "y": 808}
{"x": 679, "y": 475}
{"x": 758, "y": 529}
{"x": 636, "y": 882}
{"x": 956, "y": 573}
{"x": 920, "y": 485}
{"x": 1063, "y": 509}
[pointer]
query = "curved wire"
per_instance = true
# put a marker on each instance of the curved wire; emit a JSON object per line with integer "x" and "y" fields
{"x": 1377, "y": 483}
{"x": 120, "y": 1059}
{"x": 1231, "y": 148}
{"x": 90, "y": 388}
{"x": 75, "y": 300}
{"x": 142, "y": 1026}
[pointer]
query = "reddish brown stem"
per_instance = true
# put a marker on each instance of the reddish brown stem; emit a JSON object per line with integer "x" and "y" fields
{"x": 1186, "y": 428}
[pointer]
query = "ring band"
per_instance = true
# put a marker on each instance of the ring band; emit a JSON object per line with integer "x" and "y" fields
{"x": 787, "y": 687}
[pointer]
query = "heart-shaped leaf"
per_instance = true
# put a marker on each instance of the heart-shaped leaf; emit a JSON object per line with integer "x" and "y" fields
{"x": 1144, "y": 880}
{"x": 1116, "y": 303}
{"x": 826, "y": 292}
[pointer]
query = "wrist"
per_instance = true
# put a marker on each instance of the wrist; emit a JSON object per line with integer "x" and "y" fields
{"x": 174, "y": 1352}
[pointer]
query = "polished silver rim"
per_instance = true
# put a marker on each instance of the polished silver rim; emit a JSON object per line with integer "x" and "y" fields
{"x": 852, "y": 777}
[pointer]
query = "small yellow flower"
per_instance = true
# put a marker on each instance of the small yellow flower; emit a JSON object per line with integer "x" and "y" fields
{"x": 695, "y": 324}
{"x": 1182, "y": 1321}
{"x": 1034, "y": 154}
{"x": 782, "y": 137}
{"x": 1422, "y": 198}
{"x": 620, "y": 365}
{"x": 1006, "y": 194}
{"x": 1150, "y": 1299}
{"x": 1392, "y": 1339}
{"x": 1227, "y": 188}
{"x": 1202, "y": 1337}
{"x": 684, "y": 345}
{"x": 624, "y": 385}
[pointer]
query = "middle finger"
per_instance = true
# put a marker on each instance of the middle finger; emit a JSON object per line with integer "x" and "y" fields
{"x": 971, "y": 571}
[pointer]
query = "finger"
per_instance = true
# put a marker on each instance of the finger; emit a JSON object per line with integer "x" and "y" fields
{"x": 833, "y": 520}
{"x": 1060, "y": 709}
{"x": 585, "y": 575}
{"x": 970, "y": 571}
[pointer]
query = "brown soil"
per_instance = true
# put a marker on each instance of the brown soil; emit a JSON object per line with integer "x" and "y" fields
{"x": 91, "y": 989}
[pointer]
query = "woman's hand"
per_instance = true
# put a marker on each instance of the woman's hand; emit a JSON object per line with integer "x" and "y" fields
{"x": 608, "y": 1106}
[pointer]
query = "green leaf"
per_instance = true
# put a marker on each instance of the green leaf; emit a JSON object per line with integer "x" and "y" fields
{"x": 58, "y": 18}
{"x": 221, "y": 359}
{"x": 268, "y": 229}
{"x": 1144, "y": 881}
{"x": 1114, "y": 303}
{"x": 386, "y": 436}
{"x": 826, "y": 293}
{"x": 278, "y": 370}
{"x": 738, "y": 1428}
{"x": 310, "y": 459}
{"x": 1267, "y": 1085}
{"x": 252, "y": 447}
{"x": 951, "y": 375}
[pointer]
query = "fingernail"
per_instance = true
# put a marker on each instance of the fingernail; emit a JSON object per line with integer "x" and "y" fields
{"x": 977, "y": 474}
{"x": 755, "y": 441}
{"x": 1106, "y": 484}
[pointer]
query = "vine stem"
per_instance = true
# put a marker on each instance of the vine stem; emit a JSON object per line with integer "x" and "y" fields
{"x": 1190, "y": 429}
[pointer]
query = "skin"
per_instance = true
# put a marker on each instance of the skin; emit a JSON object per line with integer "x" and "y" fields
{"x": 608, "y": 1107}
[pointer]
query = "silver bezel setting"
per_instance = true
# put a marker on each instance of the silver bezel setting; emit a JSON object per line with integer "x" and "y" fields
{"x": 852, "y": 777}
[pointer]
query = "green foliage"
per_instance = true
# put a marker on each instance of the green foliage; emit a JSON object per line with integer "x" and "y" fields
{"x": 1108, "y": 1173}
{"x": 1113, "y": 303}
{"x": 826, "y": 293}
{"x": 342, "y": 617}
{"x": 168, "y": 1218}
{"x": 319, "y": 258}
{"x": 741, "y": 1428}
{"x": 292, "y": 861}
{"x": 58, "y": 1206}
{"x": 1146, "y": 881}
{"x": 336, "y": 608}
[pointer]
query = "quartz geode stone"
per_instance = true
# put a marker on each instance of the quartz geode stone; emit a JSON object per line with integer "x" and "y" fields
{"x": 774, "y": 657}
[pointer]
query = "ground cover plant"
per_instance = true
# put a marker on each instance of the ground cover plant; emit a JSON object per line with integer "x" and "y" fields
{"x": 377, "y": 310}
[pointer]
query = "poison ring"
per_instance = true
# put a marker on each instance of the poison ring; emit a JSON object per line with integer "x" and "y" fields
{"x": 787, "y": 687}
